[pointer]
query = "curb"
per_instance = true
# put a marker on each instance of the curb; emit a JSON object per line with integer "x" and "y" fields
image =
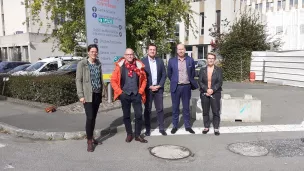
{"x": 54, "y": 136}
{"x": 3, "y": 97}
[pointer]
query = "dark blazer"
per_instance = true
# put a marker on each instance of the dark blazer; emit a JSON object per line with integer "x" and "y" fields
{"x": 173, "y": 72}
{"x": 216, "y": 82}
{"x": 161, "y": 72}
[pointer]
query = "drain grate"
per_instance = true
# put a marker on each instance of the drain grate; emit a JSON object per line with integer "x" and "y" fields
{"x": 170, "y": 152}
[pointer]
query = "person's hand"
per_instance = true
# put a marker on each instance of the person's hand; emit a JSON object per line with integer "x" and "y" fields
{"x": 82, "y": 100}
{"x": 153, "y": 88}
{"x": 207, "y": 94}
{"x": 210, "y": 91}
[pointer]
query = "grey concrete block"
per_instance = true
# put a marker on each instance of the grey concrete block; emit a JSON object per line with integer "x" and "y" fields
{"x": 242, "y": 109}
{"x": 248, "y": 96}
{"x": 226, "y": 96}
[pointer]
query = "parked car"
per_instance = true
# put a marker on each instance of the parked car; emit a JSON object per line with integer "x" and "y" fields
{"x": 44, "y": 66}
{"x": 67, "y": 69}
{"x": 6, "y": 66}
{"x": 200, "y": 63}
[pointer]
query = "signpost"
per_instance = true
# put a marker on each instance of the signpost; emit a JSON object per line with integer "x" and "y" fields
{"x": 105, "y": 26}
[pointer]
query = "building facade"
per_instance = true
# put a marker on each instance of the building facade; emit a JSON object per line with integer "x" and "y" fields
{"x": 22, "y": 39}
{"x": 284, "y": 19}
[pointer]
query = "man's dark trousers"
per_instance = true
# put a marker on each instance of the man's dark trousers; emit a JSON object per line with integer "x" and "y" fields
{"x": 182, "y": 92}
{"x": 126, "y": 101}
{"x": 157, "y": 97}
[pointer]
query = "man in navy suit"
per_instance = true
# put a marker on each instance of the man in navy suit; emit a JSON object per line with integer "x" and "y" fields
{"x": 156, "y": 77}
{"x": 181, "y": 72}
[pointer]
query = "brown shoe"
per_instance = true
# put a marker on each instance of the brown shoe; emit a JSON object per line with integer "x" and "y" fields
{"x": 129, "y": 138}
{"x": 141, "y": 139}
{"x": 90, "y": 146}
{"x": 96, "y": 142}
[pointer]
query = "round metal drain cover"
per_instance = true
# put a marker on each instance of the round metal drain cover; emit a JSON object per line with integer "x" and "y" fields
{"x": 170, "y": 152}
{"x": 248, "y": 149}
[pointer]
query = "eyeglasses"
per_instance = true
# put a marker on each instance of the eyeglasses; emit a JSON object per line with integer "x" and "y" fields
{"x": 129, "y": 54}
{"x": 210, "y": 58}
{"x": 93, "y": 52}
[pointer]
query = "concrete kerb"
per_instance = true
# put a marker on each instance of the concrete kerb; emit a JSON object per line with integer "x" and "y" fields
{"x": 54, "y": 136}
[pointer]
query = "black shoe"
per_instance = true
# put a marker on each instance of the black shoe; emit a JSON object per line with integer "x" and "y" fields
{"x": 205, "y": 131}
{"x": 190, "y": 130}
{"x": 173, "y": 131}
{"x": 217, "y": 133}
{"x": 163, "y": 132}
{"x": 148, "y": 133}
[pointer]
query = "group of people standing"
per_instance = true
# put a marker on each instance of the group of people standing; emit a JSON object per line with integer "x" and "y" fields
{"x": 136, "y": 82}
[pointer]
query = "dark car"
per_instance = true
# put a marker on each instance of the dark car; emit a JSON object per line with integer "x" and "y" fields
{"x": 6, "y": 66}
{"x": 200, "y": 63}
{"x": 67, "y": 69}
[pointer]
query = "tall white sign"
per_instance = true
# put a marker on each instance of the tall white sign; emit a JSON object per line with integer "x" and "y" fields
{"x": 105, "y": 26}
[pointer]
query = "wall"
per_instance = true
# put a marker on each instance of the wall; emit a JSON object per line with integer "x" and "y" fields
{"x": 284, "y": 68}
{"x": 42, "y": 50}
{"x": 14, "y": 16}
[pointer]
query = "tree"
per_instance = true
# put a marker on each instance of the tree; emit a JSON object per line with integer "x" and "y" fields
{"x": 146, "y": 21}
{"x": 246, "y": 34}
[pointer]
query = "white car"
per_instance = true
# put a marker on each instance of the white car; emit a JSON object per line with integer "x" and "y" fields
{"x": 42, "y": 67}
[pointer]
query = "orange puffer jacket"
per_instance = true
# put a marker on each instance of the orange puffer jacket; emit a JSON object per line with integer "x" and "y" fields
{"x": 116, "y": 77}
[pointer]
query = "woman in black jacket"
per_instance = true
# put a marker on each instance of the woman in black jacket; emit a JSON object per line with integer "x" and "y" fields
{"x": 210, "y": 82}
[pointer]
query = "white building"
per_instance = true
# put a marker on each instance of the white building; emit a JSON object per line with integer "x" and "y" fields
{"x": 21, "y": 40}
{"x": 285, "y": 18}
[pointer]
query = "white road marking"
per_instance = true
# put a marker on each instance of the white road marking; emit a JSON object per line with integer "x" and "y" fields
{"x": 2, "y": 145}
{"x": 9, "y": 166}
{"x": 238, "y": 129}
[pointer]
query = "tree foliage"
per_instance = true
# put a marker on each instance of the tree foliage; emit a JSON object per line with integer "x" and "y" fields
{"x": 146, "y": 21}
{"x": 246, "y": 34}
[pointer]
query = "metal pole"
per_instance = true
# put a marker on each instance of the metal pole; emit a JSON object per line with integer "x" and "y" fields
{"x": 109, "y": 93}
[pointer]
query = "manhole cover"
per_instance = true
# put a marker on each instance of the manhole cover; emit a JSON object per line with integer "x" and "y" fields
{"x": 248, "y": 149}
{"x": 170, "y": 152}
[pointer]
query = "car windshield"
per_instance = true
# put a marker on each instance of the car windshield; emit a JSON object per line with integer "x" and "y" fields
{"x": 35, "y": 66}
{"x": 2, "y": 64}
{"x": 19, "y": 68}
{"x": 201, "y": 63}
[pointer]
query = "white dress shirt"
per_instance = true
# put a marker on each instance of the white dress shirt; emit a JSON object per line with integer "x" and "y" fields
{"x": 153, "y": 69}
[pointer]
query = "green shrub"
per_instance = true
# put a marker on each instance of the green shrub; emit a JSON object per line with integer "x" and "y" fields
{"x": 56, "y": 90}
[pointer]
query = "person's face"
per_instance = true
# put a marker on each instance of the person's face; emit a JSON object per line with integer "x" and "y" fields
{"x": 181, "y": 50}
{"x": 93, "y": 53}
{"x": 210, "y": 60}
{"x": 152, "y": 51}
{"x": 129, "y": 55}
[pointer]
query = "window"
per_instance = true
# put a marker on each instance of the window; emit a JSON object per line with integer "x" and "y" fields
{"x": 279, "y": 5}
{"x": 279, "y": 30}
{"x": 202, "y": 22}
{"x": 283, "y": 4}
{"x": 291, "y": 3}
{"x": 267, "y": 6}
{"x": 302, "y": 29}
{"x": 50, "y": 67}
{"x": 176, "y": 30}
{"x": 218, "y": 20}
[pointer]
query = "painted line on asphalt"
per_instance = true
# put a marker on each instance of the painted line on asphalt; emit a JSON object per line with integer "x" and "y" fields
{"x": 238, "y": 129}
{"x": 2, "y": 145}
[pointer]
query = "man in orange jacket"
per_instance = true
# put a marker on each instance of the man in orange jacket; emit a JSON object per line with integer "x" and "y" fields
{"x": 129, "y": 82}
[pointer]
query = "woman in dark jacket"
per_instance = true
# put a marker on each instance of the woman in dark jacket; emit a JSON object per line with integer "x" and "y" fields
{"x": 210, "y": 82}
{"x": 89, "y": 90}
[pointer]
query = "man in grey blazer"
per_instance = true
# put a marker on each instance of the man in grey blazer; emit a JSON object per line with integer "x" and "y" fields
{"x": 156, "y": 77}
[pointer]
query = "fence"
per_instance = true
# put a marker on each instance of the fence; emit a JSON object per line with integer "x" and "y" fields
{"x": 284, "y": 68}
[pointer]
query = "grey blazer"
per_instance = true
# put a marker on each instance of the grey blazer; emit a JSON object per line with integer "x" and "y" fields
{"x": 83, "y": 80}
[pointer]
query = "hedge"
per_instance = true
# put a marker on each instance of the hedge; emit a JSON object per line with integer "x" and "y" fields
{"x": 57, "y": 90}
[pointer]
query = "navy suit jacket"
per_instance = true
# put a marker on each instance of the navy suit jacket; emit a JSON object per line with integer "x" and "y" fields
{"x": 173, "y": 72}
{"x": 161, "y": 72}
